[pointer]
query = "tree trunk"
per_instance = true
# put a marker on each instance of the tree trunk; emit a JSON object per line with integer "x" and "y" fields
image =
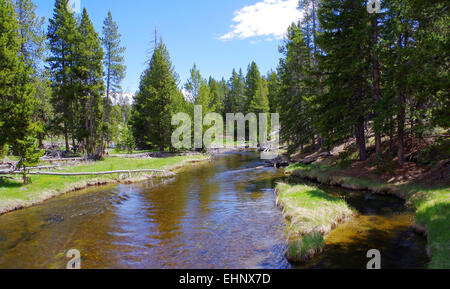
{"x": 361, "y": 140}
{"x": 41, "y": 140}
{"x": 66, "y": 137}
{"x": 378, "y": 147}
{"x": 376, "y": 87}
{"x": 73, "y": 142}
{"x": 319, "y": 142}
{"x": 401, "y": 117}
{"x": 401, "y": 131}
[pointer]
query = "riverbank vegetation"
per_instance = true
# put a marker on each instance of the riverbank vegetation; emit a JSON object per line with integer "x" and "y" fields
{"x": 310, "y": 215}
{"x": 430, "y": 200}
{"x": 363, "y": 101}
{"x": 14, "y": 194}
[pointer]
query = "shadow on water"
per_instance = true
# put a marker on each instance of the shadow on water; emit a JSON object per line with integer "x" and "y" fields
{"x": 383, "y": 223}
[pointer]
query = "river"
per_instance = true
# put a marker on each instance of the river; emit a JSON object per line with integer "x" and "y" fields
{"x": 220, "y": 214}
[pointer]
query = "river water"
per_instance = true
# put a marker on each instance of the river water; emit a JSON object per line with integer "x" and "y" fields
{"x": 220, "y": 214}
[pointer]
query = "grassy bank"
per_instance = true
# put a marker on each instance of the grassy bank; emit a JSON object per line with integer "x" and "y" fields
{"x": 432, "y": 203}
{"x": 310, "y": 215}
{"x": 14, "y": 195}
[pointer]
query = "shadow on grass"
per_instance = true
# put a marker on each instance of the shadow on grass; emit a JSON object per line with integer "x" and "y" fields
{"x": 437, "y": 220}
{"x": 6, "y": 183}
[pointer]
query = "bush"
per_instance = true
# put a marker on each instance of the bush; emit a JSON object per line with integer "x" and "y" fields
{"x": 345, "y": 159}
{"x": 126, "y": 142}
{"x": 4, "y": 151}
{"x": 385, "y": 165}
{"x": 440, "y": 150}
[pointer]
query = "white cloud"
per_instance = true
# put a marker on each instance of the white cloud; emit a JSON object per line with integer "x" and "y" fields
{"x": 269, "y": 18}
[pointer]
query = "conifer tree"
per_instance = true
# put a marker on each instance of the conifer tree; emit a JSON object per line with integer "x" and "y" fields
{"x": 215, "y": 95}
{"x": 31, "y": 33}
{"x": 157, "y": 100}
{"x": 344, "y": 39}
{"x": 205, "y": 99}
{"x": 223, "y": 93}
{"x": 62, "y": 38}
{"x": 252, "y": 83}
{"x": 294, "y": 103}
{"x": 17, "y": 100}
{"x": 32, "y": 48}
{"x": 260, "y": 101}
{"x": 273, "y": 86}
{"x": 89, "y": 87}
{"x": 236, "y": 99}
{"x": 114, "y": 70}
{"x": 193, "y": 84}
{"x": 114, "y": 59}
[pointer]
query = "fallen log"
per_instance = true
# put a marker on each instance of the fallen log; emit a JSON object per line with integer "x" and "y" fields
{"x": 132, "y": 156}
{"x": 63, "y": 160}
{"x": 90, "y": 173}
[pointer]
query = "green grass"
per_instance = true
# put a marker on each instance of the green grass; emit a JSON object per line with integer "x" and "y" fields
{"x": 432, "y": 205}
{"x": 14, "y": 194}
{"x": 433, "y": 212}
{"x": 310, "y": 214}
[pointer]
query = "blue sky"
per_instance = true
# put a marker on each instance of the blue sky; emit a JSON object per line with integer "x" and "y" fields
{"x": 217, "y": 35}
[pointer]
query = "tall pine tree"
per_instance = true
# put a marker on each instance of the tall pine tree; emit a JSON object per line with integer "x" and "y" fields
{"x": 157, "y": 100}
{"x": 62, "y": 38}
{"x": 17, "y": 100}
{"x": 89, "y": 87}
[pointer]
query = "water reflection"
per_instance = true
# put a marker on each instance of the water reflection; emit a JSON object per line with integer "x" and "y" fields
{"x": 221, "y": 214}
{"x": 218, "y": 215}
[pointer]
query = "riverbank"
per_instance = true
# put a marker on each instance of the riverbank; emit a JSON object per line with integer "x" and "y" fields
{"x": 14, "y": 195}
{"x": 310, "y": 215}
{"x": 431, "y": 202}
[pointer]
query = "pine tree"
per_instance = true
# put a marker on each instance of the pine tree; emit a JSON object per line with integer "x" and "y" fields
{"x": 223, "y": 94}
{"x": 89, "y": 87}
{"x": 193, "y": 84}
{"x": 294, "y": 101}
{"x": 32, "y": 36}
{"x": 114, "y": 59}
{"x": 62, "y": 37}
{"x": 252, "y": 84}
{"x": 345, "y": 39}
{"x": 260, "y": 101}
{"x": 43, "y": 111}
{"x": 236, "y": 99}
{"x": 17, "y": 101}
{"x": 32, "y": 48}
{"x": 157, "y": 100}
{"x": 273, "y": 86}
{"x": 205, "y": 99}
{"x": 215, "y": 95}
{"x": 115, "y": 70}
